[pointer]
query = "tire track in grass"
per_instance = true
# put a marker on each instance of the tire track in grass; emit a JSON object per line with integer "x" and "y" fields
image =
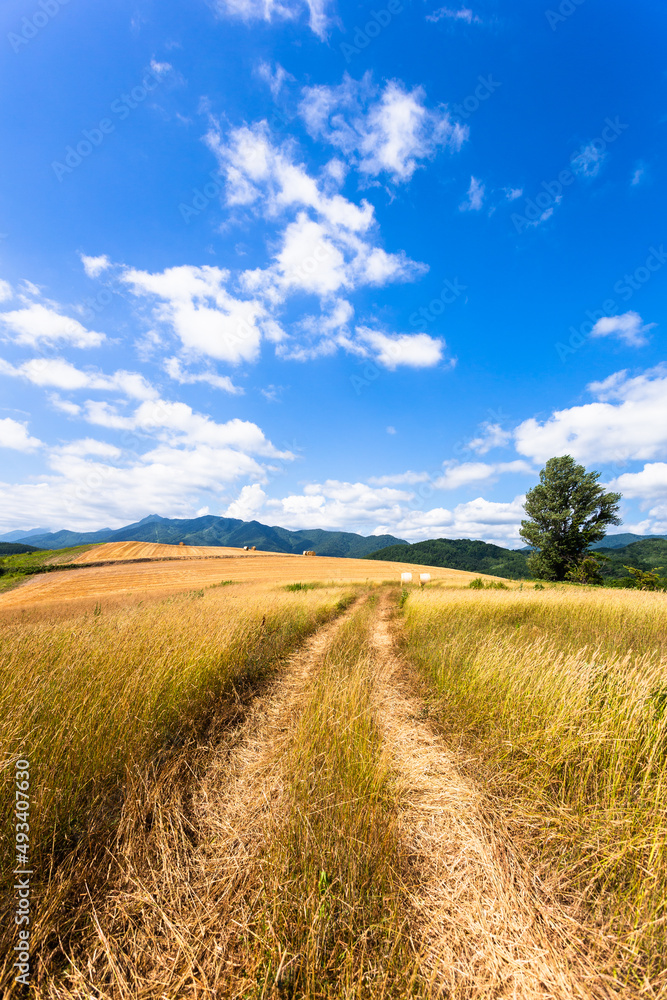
{"x": 178, "y": 896}
{"x": 487, "y": 928}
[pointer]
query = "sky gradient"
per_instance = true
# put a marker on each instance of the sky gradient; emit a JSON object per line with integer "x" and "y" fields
{"x": 348, "y": 266}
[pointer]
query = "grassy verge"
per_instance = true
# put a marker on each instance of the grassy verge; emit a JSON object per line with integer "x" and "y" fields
{"x": 14, "y": 569}
{"x": 562, "y": 696}
{"x": 92, "y": 700}
{"x": 329, "y": 916}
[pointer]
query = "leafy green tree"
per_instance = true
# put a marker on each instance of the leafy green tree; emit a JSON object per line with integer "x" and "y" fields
{"x": 566, "y": 512}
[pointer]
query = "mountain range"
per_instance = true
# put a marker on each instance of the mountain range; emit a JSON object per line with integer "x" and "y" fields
{"x": 212, "y": 530}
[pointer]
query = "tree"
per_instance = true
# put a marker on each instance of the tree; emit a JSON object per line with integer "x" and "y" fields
{"x": 567, "y": 511}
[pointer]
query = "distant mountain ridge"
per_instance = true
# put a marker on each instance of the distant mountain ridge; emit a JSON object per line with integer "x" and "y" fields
{"x": 224, "y": 531}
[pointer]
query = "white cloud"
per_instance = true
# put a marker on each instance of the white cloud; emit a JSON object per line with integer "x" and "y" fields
{"x": 378, "y": 509}
{"x": 628, "y": 421}
{"x": 493, "y": 436}
{"x": 629, "y": 328}
{"x": 462, "y": 14}
{"x": 399, "y": 479}
{"x": 205, "y": 317}
{"x": 457, "y": 475}
{"x": 416, "y": 350}
{"x": 175, "y": 370}
{"x": 386, "y": 132}
{"x": 637, "y": 176}
{"x": 588, "y": 161}
{"x": 249, "y": 503}
{"x": 279, "y": 10}
{"x": 15, "y": 435}
{"x": 5, "y": 291}
{"x": 94, "y": 266}
{"x": 260, "y": 174}
{"x": 160, "y": 69}
{"x": 38, "y": 324}
{"x": 513, "y": 193}
{"x": 60, "y": 374}
{"x": 649, "y": 483}
{"x": 475, "y": 197}
{"x": 275, "y": 78}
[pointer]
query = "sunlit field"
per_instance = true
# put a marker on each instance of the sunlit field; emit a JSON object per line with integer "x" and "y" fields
{"x": 89, "y": 701}
{"x": 561, "y": 696}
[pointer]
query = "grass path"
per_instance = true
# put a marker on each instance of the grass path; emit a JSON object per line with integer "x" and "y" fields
{"x": 331, "y": 849}
{"x": 488, "y": 929}
{"x": 173, "y": 919}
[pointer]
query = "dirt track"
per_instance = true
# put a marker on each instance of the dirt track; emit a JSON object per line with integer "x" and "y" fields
{"x": 483, "y": 926}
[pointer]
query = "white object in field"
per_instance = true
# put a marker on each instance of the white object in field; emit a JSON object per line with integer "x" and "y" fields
{"x": 406, "y": 577}
{"x": 424, "y": 577}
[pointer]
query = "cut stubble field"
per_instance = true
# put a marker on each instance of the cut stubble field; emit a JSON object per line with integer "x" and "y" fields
{"x": 336, "y": 789}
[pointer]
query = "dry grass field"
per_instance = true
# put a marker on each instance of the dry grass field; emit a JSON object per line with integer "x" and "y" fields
{"x": 264, "y": 777}
{"x": 76, "y": 590}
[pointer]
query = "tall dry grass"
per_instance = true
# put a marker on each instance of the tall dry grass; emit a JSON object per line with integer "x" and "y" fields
{"x": 91, "y": 700}
{"x": 280, "y": 873}
{"x": 331, "y": 918}
{"x": 562, "y": 697}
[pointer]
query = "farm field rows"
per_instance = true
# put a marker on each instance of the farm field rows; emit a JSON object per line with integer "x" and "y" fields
{"x": 262, "y": 788}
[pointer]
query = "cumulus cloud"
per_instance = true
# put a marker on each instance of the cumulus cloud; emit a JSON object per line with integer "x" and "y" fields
{"x": 457, "y": 475}
{"x": 60, "y": 374}
{"x": 328, "y": 246}
{"x": 248, "y": 504}
{"x": 475, "y": 197}
{"x": 95, "y": 266}
{"x": 5, "y": 291}
{"x": 15, "y": 435}
{"x": 416, "y": 350}
{"x": 387, "y": 131}
{"x": 39, "y": 324}
{"x": 376, "y": 508}
{"x": 175, "y": 371}
{"x": 627, "y": 421}
{"x": 492, "y": 436}
{"x": 628, "y": 328}
{"x": 195, "y": 304}
{"x": 649, "y": 483}
{"x": 278, "y": 10}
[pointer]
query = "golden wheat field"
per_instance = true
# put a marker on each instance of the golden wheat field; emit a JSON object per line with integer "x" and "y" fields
{"x": 197, "y": 567}
{"x": 260, "y": 776}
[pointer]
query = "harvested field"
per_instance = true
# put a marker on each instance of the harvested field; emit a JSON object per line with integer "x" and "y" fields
{"x": 115, "y": 551}
{"x": 133, "y": 582}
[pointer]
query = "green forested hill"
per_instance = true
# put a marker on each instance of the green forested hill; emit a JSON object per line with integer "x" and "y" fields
{"x": 460, "y": 553}
{"x": 647, "y": 555}
{"x": 480, "y": 557}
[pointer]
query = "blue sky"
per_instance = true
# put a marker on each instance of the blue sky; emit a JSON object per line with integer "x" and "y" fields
{"x": 350, "y": 266}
